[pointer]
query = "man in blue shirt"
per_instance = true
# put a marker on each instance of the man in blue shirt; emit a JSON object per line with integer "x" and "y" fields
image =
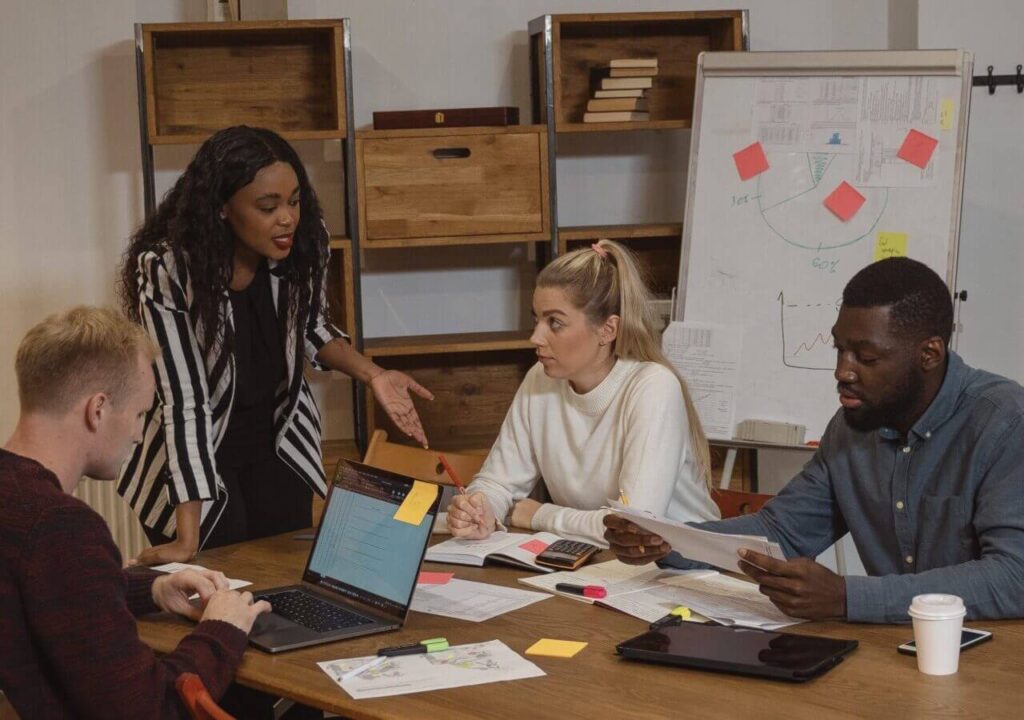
{"x": 923, "y": 465}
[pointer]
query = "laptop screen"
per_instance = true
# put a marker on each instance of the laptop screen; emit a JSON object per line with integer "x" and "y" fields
{"x": 360, "y": 550}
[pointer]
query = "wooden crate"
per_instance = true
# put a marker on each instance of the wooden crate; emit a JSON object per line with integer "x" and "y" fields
{"x": 452, "y": 186}
{"x": 473, "y": 377}
{"x": 284, "y": 75}
{"x": 582, "y": 43}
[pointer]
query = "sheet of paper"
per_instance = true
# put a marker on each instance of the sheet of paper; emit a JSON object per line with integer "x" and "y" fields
{"x": 476, "y": 548}
{"x": 556, "y": 648}
{"x": 416, "y": 503}
{"x": 728, "y": 601}
{"x": 807, "y": 115}
{"x": 615, "y": 577}
{"x": 716, "y": 549}
{"x": 434, "y": 578}
{"x": 750, "y": 161}
{"x": 471, "y": 601}
{"x": 707, "y": 355}
{"x": 844, "y": 201}
{"x": 656, "y": 602}
{"x": 890, "y": 244}
{"x": 459, "y": 666}
{"x": 174, "y": 567}
{"x": 890, "y": 108}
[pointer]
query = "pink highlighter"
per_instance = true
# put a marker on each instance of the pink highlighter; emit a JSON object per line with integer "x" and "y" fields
{"x": 591, "y": 591}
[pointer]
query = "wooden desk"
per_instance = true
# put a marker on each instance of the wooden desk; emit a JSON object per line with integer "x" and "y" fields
{"x": 875, "y": 681}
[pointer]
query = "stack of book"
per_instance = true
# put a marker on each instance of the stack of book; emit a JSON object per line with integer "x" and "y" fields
{"x": 621, "y": 94}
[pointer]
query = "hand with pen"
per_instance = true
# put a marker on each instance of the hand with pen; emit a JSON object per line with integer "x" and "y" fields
{"x": 469, "y": 516}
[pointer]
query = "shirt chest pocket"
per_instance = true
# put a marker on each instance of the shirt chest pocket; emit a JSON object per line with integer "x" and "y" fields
{"x": 945, "y": 533}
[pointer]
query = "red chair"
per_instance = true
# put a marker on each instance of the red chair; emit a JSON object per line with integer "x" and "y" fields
{"x": 200, "y": 705}
{"x": 734, "y": 503}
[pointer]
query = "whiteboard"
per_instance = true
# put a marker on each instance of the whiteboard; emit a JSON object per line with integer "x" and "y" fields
{"x": 764, "y": 257}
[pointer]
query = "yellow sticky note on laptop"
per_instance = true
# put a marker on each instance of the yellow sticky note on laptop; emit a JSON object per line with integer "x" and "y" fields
{"x": 416, "y": 503}
{"x": 555, "y": 648}
{"x": 890, "y": 244}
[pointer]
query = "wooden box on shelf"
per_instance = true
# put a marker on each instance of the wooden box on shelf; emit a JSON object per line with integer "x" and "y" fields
{"x": 473, "y": 376}
{"x": 288, "y": 76}
{"x": 452, "y": 186}
{"x": 657, "y": 247}
{"x": 583, "y": 43}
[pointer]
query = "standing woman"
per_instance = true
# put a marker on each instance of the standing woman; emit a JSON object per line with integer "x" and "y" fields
{"x": 228, "y": 276}
{"x": 601, "y": 415}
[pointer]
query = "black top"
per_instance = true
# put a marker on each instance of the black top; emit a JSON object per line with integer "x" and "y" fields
{"x": 259, "y": 373}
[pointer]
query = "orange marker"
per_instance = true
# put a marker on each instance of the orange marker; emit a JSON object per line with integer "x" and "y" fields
{"x": 451, "y": 473}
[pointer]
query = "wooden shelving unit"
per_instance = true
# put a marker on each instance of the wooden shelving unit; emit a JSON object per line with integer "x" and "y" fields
{"x": 565, "y": 53}
{"x": 454, "y": 187}
{"x": 291, "y": 76}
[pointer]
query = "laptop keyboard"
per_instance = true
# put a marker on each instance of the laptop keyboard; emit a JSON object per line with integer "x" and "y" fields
{"x": 312, "y": 612}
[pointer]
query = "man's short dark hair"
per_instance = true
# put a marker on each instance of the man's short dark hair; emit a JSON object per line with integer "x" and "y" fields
{"x": 921, "y": 305}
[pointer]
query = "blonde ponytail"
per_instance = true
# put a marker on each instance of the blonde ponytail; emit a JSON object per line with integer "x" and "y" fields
{"x": 604, "y": 280}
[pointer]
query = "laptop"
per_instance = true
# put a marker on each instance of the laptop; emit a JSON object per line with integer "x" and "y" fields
{"x": 362, "y": 568}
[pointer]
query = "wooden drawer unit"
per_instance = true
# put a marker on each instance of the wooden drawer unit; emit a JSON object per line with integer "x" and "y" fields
{"x": 452, "y": 186}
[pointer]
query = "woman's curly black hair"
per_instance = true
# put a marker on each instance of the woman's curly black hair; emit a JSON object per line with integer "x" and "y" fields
{"x": 188, "y": 223}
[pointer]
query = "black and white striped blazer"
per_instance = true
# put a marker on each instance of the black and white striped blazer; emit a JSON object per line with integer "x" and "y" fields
{"x": 175, "y": 462}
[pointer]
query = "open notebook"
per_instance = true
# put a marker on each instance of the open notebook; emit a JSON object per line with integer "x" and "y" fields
{"x": 517, "y": 549}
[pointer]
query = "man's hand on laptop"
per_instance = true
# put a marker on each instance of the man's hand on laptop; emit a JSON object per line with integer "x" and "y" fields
{"x": 236, "y": 608}
{"x": 631, "y": 543}
{"x": 171, "y": 592}
{"x": 471, "y": 517}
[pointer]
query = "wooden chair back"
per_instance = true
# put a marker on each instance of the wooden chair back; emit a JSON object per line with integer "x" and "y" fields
{"x": 200, "y": 705}
{"x": 734, "y": 503}
{"x": 415, "y": 462}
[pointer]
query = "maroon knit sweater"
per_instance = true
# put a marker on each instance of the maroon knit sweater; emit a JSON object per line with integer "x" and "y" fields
{"x": 69, "y": 646}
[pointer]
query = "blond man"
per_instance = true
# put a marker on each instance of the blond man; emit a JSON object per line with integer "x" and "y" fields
{"x": 67, "y": 607}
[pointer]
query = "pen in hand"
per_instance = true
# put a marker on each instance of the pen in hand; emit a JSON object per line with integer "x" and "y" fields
{"x": 462, "y": 490}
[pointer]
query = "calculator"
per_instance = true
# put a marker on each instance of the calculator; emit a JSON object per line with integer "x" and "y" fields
{"x": 566, "y": 554}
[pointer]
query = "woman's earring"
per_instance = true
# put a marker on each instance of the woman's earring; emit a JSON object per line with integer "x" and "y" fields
{"x": 223, "y": 215}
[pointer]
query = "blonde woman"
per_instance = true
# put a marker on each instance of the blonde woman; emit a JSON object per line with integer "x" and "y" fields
{"x": 602, "y": 414}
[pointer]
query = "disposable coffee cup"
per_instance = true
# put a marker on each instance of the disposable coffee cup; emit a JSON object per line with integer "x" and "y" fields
{"x": 938, "y": 620}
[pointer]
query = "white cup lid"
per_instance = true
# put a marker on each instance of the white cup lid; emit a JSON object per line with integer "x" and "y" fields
{"x": 937, "y": 606}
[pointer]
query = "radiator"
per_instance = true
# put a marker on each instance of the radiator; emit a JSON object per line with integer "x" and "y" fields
{"x": 124, "y": 525}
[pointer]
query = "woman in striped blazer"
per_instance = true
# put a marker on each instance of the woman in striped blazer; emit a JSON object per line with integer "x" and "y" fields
{"x": 228, "y": 277}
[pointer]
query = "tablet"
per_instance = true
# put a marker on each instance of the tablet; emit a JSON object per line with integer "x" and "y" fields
{"x": 744, "y": 651}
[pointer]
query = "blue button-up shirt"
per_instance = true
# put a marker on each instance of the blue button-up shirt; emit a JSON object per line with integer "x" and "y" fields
{"x": 938, "y": 510}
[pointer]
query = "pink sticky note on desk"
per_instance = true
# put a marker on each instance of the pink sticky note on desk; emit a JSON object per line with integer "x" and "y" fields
{"x": 917, "y": 148}
{"x": 434, "y": 578}
{"x": 534, "y": 546}
{"x": 844, "y": 201}
{"x": 750, "y": 161}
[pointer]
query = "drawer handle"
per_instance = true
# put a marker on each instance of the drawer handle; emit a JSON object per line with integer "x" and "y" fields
{"x": 453, "y": 153}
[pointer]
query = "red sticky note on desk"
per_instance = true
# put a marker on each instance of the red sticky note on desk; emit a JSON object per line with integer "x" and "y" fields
{"x": 917, "y": 148}
{"x": 844, "y": 201}
{"x": 434, "y": 578}
{"x": 750, "y": 161}
{"x": 534, "y": 546}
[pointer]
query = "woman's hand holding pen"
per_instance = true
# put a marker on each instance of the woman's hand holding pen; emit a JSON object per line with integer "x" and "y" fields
{"x": 391, "y": 388}
{"x": 471, "y": 517}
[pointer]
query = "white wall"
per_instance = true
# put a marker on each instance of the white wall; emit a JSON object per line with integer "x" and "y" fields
{"x": 992, "y": 231}
{"x": 70, "y": 187}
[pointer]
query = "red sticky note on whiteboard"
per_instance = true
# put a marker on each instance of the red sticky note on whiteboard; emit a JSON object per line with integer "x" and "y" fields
{"x": 917, "y": 148}
{"x": 434, "y": 578}
{"x": 534, "y": 546}
{"x": 750, "y": 161}
{"x": 844, "y": 201}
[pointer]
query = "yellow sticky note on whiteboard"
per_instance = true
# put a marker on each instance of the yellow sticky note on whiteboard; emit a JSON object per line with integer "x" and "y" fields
{"x": 947, "y": 108}
{"x": 890, "y": 244}
{"x": 555, "y": 648}
{"x": 416, "y": 503}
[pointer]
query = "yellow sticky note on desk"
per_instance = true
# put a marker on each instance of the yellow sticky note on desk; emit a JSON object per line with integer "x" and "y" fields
{"x": 947, "y": 108}
{"x": 890, "y": 244}
{"x": 416, "y": 503}
{"x": 555, "y": 648}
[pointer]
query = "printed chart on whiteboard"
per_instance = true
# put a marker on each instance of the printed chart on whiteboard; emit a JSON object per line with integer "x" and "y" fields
{"x": 799, "y": 183}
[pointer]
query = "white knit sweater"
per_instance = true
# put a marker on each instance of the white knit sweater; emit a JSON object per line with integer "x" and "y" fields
{"x": 628, "y": 434}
